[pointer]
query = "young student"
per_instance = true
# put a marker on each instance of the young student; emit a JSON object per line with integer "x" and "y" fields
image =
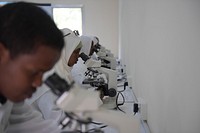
{"x": 44, "y": 100}
{"x": 70, "y": 55}
{"x": 79, "y": 69}
{"x": 30, "y": 45}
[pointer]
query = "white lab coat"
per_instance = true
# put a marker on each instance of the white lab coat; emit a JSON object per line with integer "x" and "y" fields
{"x": 86, "y": 44}
{"x": 94, "y": 39}
{"x": 44, "y": 100}
{"x": 79, "y": 69}
{"x": 21, "y": 118}
{"x": 78, "y": 72}
{"x": 5, "y": 111}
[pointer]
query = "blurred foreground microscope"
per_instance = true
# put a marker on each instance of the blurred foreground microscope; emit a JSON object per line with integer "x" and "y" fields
{"x": 82, "y": 108}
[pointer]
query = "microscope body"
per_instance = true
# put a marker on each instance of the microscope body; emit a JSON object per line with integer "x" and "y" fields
{"x": 109, "y": 101}
{"x": 107, "y": 58}
{"x": 104, "y": 52}
{"x": 108, "y": 62}
{"x": 106, "y": 82}
{"x": 109, "y": 85}
{"x": 77, "y": 99}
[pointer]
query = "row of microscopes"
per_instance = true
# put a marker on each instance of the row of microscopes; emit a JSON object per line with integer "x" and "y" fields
{"x": 82, "y": 106}
{"x": 101, "y": 73}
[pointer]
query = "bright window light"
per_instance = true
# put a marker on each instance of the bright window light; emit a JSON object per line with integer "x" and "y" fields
{"x": 68, "y": 18}
{"x": 3, "y": 3}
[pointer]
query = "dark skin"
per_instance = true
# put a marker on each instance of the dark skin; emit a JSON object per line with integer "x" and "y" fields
{"x": 21, "y": 76}
{"x": 91, "y": 49}
{"x": 74, "y": 57}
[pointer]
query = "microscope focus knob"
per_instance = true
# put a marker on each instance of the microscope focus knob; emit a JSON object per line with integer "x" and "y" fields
{"x": 112, "y": 92}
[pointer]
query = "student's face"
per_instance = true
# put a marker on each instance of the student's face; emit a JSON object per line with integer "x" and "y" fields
{"x": 19, "y": 77}
{"x": 74, "y": 57}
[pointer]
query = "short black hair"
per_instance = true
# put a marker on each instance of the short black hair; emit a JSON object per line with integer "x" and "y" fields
{"x": 24, "y": 26}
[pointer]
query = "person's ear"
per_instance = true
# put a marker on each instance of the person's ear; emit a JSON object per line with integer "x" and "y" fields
{"x": 4, "y": 53}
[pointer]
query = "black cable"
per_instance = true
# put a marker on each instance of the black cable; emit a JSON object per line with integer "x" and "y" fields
{"x": 125, "y": 84}
{"x": 117, "y": 104}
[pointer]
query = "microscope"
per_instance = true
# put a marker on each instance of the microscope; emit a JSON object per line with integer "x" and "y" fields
{"x": 103, "y": 78}
{"x": 121, "y": 70}
{"x": 102, "y": 51}
{"x": 89, "y": 62}
{"x": 82, "y": 107}
{"x": 108, "y": 62}
{"x": 107, "y": 58}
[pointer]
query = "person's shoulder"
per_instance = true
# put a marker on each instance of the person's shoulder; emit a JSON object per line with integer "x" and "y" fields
{"x": 39, "y": 92}
{"x": 7, "y": 104}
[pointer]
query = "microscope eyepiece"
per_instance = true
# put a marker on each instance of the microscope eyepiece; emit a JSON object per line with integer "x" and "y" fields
{"x": 84, "y": 57}
{"x": 57, "y": 84}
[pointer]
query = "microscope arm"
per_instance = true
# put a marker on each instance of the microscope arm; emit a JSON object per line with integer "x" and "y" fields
{"x": 89, "y": 62}
{"x": 92, "y": 63}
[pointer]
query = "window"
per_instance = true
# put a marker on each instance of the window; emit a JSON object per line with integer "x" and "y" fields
{"x": 68, "y": 18}
{"x": 3, "y": 3}
{"x": 64, "y": 16}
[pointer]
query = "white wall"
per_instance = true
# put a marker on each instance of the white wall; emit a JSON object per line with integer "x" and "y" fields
{"x": 161, "y": 47}
{"x": 100, "y": 19}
